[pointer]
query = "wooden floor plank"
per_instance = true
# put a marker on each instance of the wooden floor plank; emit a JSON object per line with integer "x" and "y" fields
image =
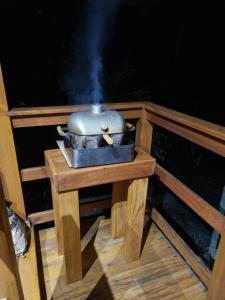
{"x": 160, "y": 273}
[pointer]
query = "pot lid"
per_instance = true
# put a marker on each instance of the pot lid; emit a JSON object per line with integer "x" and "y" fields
{"x": 96, "y": 121}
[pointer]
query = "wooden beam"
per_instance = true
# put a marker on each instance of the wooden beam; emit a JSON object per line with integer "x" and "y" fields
{"x": 135, "y": 213}
{"x": 67, "y": 109}
{"x": 28, "y": 270}
{"x": 41, "y": 217}
{"x": 214, "y": 130}
{"x": 68, "y": 204}
{"x": 35, "y": 121}
{"x": 192, "y": 259}
{"x": 53, "y": 119}
{"x": 8, "y": 160}
{"x": 10, "y": 284}
{"x": 3, "y": 99}
{"x": 48, "y": 215}
{"x": 144, "y": 131}
{"x": 215, "y": 237}
{"x": 207, "y": 212}
{"x": 34, "y": 173}
{"x": 217, "y": 282}
{"x": 46, "y": 116}
{"x": 206, "y": 141}
{"x": 132, "y": 113}
{"x": 118, "y": 211}
{"x": 95, "y": 206}
{"x": 9, "y": 167}
{"x": 66, "y": 179}
{"x": 57, "y": 219}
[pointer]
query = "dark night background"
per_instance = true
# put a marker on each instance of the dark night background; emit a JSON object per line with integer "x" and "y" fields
{"x": 167, "y": 52}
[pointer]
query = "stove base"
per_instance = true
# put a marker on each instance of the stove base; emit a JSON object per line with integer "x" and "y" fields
{"x": 80, "y": 158}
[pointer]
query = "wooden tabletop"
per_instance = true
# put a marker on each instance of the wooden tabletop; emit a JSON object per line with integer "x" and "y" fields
{"x": 65, "y": 178}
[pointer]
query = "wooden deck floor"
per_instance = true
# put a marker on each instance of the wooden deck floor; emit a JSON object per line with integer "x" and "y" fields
{"x": 160, "y": 274}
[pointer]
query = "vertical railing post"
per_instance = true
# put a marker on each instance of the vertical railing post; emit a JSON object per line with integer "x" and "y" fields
{"x": 217, "y": 282}
{"x": 8, "y": 160}
{"x": 10, "y": 284}
{"x": 144, "y": 131}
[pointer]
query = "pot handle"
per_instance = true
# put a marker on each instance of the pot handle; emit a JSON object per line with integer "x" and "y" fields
{"x": 130, "y": 127}
{"x": 60, "y": 131}
{"x": 107, "y": 138}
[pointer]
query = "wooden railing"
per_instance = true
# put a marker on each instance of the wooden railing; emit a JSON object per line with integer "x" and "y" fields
{"x": 211, "y": 137}
{"x": 208, "y": 135}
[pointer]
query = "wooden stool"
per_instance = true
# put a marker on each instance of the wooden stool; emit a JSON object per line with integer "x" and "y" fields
{"x": 130, "y": 182}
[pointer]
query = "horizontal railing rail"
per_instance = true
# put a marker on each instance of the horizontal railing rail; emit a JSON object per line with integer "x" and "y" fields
{"x": 192, "y": 259}
{"x": 208, "y": 128}
{"x": 201, "y": 207}
{"x": 207, "y": 141}
{"x": 47, "y": 116}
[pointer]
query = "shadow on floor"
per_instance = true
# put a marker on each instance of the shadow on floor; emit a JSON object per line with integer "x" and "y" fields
{"x": 95, "y": 281}
{"x": 101, "y": 291}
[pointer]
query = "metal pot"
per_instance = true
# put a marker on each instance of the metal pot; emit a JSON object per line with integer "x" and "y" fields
{"x": 95, "y": 128}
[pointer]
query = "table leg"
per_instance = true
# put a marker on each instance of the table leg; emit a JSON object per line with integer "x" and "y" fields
{"x": 58, "y": 225}
{"x": 118, "y": 211}
{"x": 135, "y": 213}
{"x": 70, "y": 221}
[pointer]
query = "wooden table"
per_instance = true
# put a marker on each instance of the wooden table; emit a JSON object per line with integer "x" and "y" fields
{"x": 130, "y": 182}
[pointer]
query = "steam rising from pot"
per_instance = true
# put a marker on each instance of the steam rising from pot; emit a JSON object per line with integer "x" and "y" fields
{"x": 83, "y": 81}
